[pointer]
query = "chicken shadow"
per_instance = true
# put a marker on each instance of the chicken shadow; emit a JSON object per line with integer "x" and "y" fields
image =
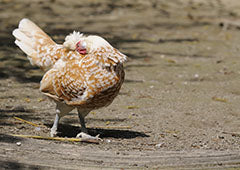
{"x": 9, "y": 139}
{"x": 66, "y": 130}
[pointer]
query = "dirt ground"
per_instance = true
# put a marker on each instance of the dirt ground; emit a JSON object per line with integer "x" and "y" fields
{"x": 179, "y": 106}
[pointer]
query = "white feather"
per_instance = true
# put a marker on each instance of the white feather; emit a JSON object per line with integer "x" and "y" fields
{"x": 96, "y": 42}
{"x": 28, "y": 27}
{"x": 26, "y": 49}
{"x": 29, "y": 38}
{"x": 22, "y": 37}
{"x": 72, "y": 39}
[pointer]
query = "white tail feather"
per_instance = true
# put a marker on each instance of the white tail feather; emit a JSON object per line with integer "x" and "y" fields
{"x": 27, "y": 25}
{"x": 29, "y": 37}
{"x": 26, "y": 48}
{"x": 20, "y": 36}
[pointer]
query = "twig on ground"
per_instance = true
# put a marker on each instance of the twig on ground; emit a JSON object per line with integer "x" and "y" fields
{"x": 59, "y": 138}
{"x": 25, "y": 121}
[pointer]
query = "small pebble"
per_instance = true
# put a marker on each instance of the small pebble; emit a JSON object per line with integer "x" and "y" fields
{"x": 175, "y": 135}
{"x": 18, "y": 143}
{"x": 108, "y": 141}
{"x": 221, "y": 137}
{"x": 159, "y": 145}
{"x": 196, "y": 76}
{"x": 133, "y": 114}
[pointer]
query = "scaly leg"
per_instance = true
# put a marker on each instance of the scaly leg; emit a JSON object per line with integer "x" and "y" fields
{"x": 84, "y": 132}
{"x": 61, "y": 109}
{"x": 53, "y": 132}
{"x": 82, "y": 122}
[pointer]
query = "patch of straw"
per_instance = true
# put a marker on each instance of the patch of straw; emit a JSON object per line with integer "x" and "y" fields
{"x": 25, "y": 121}
{"x": 59, "y": 138}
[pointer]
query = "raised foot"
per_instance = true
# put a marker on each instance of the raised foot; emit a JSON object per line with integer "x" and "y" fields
{"x": 87, "y": 137}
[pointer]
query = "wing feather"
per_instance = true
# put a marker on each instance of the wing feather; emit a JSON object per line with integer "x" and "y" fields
{"x": 64, "y": 82}
{"x": 77, "y": 82}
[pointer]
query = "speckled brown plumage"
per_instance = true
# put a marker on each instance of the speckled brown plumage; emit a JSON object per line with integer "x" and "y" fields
{"x": 86, "y": 72}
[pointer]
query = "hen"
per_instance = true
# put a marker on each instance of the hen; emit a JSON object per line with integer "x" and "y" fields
{"x": 86, "y": 72}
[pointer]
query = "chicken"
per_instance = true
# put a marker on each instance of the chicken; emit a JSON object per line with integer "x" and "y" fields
{"x": 86, "y": 72}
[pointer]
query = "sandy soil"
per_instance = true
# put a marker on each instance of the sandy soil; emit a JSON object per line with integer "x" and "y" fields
{"x": 180, "y": 102}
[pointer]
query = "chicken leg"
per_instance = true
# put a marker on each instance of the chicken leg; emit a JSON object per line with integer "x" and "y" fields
{"x": 61, "y": 110}
{"x": 84, "y": 132}
{"x": 53, "y": 131}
